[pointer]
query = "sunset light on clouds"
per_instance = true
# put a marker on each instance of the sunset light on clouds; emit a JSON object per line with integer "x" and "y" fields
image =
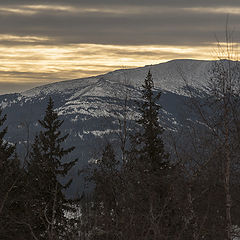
{"x": 44, "y": 42}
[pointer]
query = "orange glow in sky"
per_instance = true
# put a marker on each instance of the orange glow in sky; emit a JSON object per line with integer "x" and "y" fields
{"x": 47, "y": 63}
{"x": 62, "y": 40}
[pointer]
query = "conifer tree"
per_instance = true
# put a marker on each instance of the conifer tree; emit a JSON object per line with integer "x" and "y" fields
{"x": 150, "y": 170}
{"x": 45, "y": 168}
{"x": 104, "y": 174}
{"x": 6, "y": 162}
{"x": 105, "y": 177}
{"x": 10, "y": 189}
{"x": 147, "y": 144}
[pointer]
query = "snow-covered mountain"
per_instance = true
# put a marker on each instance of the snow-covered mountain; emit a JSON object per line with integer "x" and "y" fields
{"x": 91, "y": 106}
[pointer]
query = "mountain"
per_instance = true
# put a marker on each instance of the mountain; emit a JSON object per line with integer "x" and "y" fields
{"x": 92, "y": 106}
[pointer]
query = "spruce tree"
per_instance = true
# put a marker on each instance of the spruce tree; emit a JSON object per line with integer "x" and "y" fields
{"x": 6, "y": 169}
{"x": 11, "y": 176}
{"x": 45, "y": 168}
{"x": 147, "y": 144}
{"x": 149, "y": 170}
{"x": 104, "y": 174}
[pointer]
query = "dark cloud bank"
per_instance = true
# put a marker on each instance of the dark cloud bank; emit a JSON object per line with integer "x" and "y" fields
{"x": 151, "y": 22}
{"x": 125, "y": 22}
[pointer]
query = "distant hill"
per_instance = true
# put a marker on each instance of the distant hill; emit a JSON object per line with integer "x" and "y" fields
{"x": 91, "y": 106}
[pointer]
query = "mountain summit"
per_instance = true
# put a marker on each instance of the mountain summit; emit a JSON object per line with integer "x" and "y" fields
{"x": 91, "y": 107}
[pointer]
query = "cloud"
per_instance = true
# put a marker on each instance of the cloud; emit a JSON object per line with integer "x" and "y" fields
{"x": 173, "y": 3}
{"x": 47, "y": 41}
{"x": 115, "y": 22}
{"x": 30, "y": 63}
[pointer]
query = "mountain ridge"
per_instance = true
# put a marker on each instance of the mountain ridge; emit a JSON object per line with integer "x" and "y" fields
{"x": 118, "y": 75}
{"x": 91, "y": 107}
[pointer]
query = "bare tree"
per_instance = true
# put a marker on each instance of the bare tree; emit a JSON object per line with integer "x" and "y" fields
{"x": 215, "y": 141}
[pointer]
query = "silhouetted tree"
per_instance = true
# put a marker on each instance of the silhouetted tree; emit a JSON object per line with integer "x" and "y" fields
{"x": 11, "y": 188}
{"x": 45, "y": 168}
{"x": 150, "y": 172}
{"x": 215, "y": 149}
{"x": 104, "y": 174}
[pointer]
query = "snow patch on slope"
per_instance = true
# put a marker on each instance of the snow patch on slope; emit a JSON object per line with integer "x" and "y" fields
{"x": 171, "y": 76}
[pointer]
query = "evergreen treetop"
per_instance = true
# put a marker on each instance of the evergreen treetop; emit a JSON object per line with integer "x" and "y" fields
{"x": 147, "y": 144}
{"x": 50, "y": 141}
{"x": 46, "y": 166}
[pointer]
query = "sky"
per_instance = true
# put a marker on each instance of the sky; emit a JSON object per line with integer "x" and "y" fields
{"x": 47, "y": 41}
